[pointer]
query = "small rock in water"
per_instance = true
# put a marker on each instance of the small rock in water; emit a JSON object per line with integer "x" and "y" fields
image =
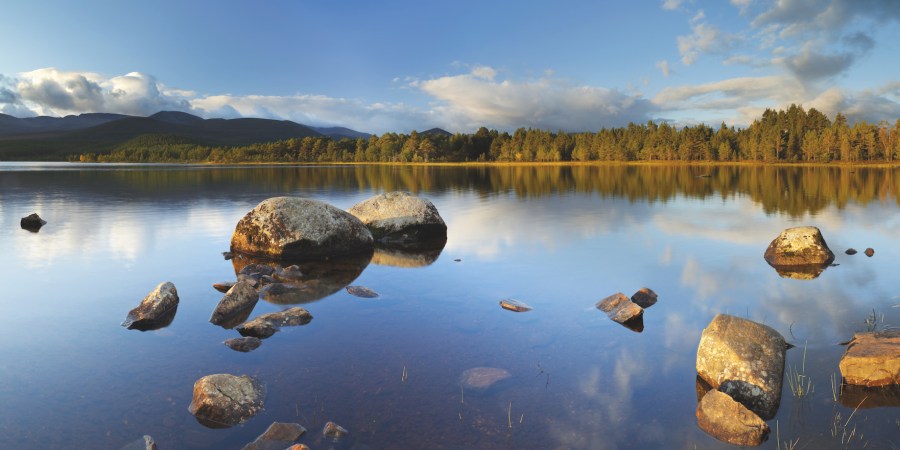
{"x": 457, "y": 260}
{"x": 223, "y": 286}
{"x": 237, "y": 303}
{"x": 258, "y": 328}
{"x": 32, "y": 222}
{"x": 156, "y": 310}
{"x": 481, "y": 378}
{"x": 223, "y": 400}
{"x": 872, "y": 359}
{"x": 243, "y": 344}
{"x": 144, "y": 443}
{"x": 227, "y": 255}
{"x": 361, "y": 291}
{"x": 619, "y": 308}
{"x": 644, "y": 297}
{"x": 869, "y": 252}
{"x": 277, "y": 436}
{"x": 267, "y": 324}
{"x": 514, "y": 305}
{"x": 850, "y": 251}
{"x": 334, "y": 431}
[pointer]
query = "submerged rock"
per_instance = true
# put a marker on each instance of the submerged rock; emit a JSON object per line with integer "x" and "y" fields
{"x": 299, "y": 228}
{"x": 144, "y": 443}
{"x": 266, "y": 325}
{"x": 361, "y": 291}
{"x": 238, "y": 302}
{"x": 872, "y": 359}
{"x": 32, "y": 222}
{"x": 745, "y": 360}
{"x": 870, "y": 252}
{"x": 334, "y": 431}
{"x": 224, "y": 400}
{"x": 619, "y": 308}
{"x": 727, "y": 420}
{"x": 644, "y": 297}
{"x": 156, "y": 310}
{"x": 514, "y": 305}
{"x": 401, "y": 218}
{"x": 277, "y": 436}
{"x": 800, "y": 246}
{"x": 243, "y": 344}
{"x": 482, "y": 378}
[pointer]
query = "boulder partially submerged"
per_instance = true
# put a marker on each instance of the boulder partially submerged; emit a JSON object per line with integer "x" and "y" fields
{"x": 401, "y": 218}
{"x": 299, "y": 228}
{"x": 872, "y": 359}
{"x": 727, "y": 420}
{"x": 235, "y": 306}
{"x": 267, "y": 324}
{"x": 799, "y": 250}
{"x": 223, "y": 400}
{"x": 745, "y": 360}
{"x": 32, "y": 222}
{"x": 156, "y": 310}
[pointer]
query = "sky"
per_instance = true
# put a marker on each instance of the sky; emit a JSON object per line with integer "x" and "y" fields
{"x": 398, "y": 66}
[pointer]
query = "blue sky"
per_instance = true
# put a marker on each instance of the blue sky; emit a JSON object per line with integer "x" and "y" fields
{"x": 404, "y": 65}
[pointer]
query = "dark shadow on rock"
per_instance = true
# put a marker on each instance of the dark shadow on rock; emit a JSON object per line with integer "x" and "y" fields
{"x": 702, "y": 387}
{"x": 417, "y": 255}
{"x": 211, "y": 423}
{"x": 306, "y": 281}
{"x": 853, "y": 396}
{"x": 808, "y": 272}
{"x": 155, "y": 324}
{"x": 32, "y": 223}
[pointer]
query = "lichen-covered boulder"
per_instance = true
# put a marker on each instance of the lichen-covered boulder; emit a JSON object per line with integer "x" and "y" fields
{"x": 872, "y": 359}
{"x": 298, "y": 228}
{"x": 401, "y": 218}
{"x": 745, "y": 360}
{"x": 223, "y": 400}
{"x": 156, "y": 310}
{"x": 727, "y": 420}
{"x": 800, "y": 246}
{"x": 235, "y": 306}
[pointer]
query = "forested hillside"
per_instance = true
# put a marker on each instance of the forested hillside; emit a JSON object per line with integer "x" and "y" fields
{"x": 794, "y": 135}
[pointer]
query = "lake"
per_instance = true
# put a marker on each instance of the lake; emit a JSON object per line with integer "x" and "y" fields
{"x": 558, "y": 238}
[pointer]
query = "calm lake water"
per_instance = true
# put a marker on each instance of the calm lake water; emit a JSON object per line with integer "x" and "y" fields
{"x": 556, "y": 238}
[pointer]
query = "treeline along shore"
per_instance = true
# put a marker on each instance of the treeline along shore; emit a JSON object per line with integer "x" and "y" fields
{"x": 792, "y": 135}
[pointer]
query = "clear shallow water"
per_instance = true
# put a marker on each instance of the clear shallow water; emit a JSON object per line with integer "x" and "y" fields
{"x": 557, "y": 238}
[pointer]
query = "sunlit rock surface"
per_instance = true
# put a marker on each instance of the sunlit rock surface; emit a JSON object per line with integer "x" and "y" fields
{"x": 224, "y": 400}
{"x": 299, "y": 228}
{"x": 872, "y": 359}
{"x": 401, "y": 218}
{"x": 156, "y": 310}
{"x": 514, "y": 305}
{"x": 727, "y": 420}
{"x": 745, "y": 360}
{"x": 619, "y": 308}
{"x": 235, "y": 306}
{"x": 800, "y": 246}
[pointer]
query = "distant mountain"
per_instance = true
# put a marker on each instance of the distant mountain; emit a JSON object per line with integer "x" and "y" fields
{"x": 338, "y": 133}
{"x": 53, "y": 138}
{"x": 437, "y": 131}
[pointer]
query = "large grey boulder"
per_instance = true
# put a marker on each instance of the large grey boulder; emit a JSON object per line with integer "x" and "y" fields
{"x": 298, "y": 228}
{"x": 745, "y": 360}
{"x": 156, "y": 310}
{"x": 223, "y": 400}
{"x": 401, "y": 218}
{"x": 727, "y": 420}
{"x": 872, "y": 359}
{"x": 799, "y": 247}
{"x": 235, "y": 306}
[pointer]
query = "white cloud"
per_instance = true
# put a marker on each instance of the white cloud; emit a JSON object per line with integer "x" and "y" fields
{"x": 704, "y": 39}
{"x": 663, "y": 66}
{"x": 671, "y": 4}
{"x": 469, "y": 100}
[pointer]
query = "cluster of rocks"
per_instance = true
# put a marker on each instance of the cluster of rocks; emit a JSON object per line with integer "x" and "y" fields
{"x": 870, "y": 252}
{"x": 628, "y": 312}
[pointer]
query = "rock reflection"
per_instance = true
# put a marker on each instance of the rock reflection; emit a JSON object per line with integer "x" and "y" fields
{"x": 408, "y": 256}
{"x": 853, "y": 396}
{"x": 156, "y": 324}
{"x": 308, "y": 281}
{"x": 809, "y": 272}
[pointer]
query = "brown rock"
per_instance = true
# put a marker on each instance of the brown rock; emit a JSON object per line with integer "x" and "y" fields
{"x": 156, "y": 310}
{"x": 800, "y": 246}
{"x": 361, "y": 291}
{"x": 223, "y": 400}
{"x": 745, "y": 360}
{"x": 644, "y": 297}
{"x": 872, "y": 359}
{"x": 334, "y": 431}
{"x": 241, "y": 298}
{"x": 267, "y": 324}
{"x": 258, "y": 328}
{"x": 298, "y": 447}
{"x": 482, "y": 378}
{"x": 514, "y": 305}
{"x": 727, "y": 420}
{"x": 870, "y": 252}
{"x": 851, "y": 251}
{"x": 299, "y": 228}
{"x": 619, "y": 308}
{"x": 277, "y": 436}
{"x": 243, "y": 344}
